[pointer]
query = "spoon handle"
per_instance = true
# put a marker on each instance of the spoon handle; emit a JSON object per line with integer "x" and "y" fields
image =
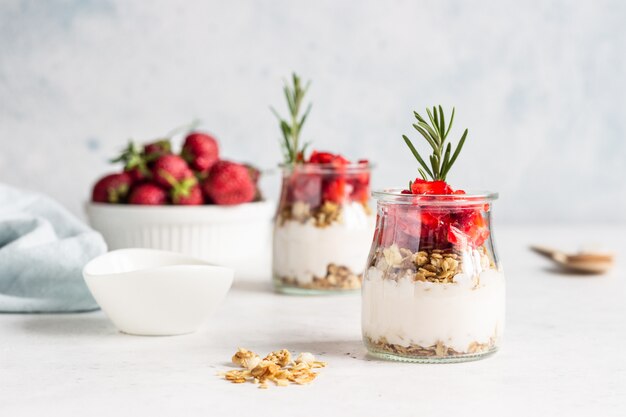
{"x": 544, "y": 251}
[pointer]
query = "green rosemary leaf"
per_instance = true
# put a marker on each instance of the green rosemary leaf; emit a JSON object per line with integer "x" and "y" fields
{"x": 418, "y": 117}
{"x": 290, "y": 102}
{"x": 459, "y": 146}
{"x": 292, "y": 125}
{"x": 450, "y": 124}
{"x": 273, "y": 110}
{"x": 431, "y": 131}
{"x": 306, "y": 114}
{"x": 286, "y": 129}
{"x": 422, "y": 173}
{"x": 435, "y": 133}
{"x": 434, "y": 162}
{"x": 427, "y": 136}
{"x": 433, "y": 121}
{"x": 442, "y": 125}
{"x": 446, "y": 161}
{"x": 417, "y": 155}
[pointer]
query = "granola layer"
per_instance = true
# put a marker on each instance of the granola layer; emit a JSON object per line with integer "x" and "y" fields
{"x": 322, "y": 216}
{"x": 438, "y": 350}
{"x": 337, "y": 278}
{"x": 429, "y": 265}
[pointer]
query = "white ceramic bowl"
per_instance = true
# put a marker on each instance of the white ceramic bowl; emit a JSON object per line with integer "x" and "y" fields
{"x": 156, "y": 293}
{"x": 239, "y": 237}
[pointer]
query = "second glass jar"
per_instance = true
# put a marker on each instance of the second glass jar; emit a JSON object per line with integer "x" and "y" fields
{"x": 323, "y": 228}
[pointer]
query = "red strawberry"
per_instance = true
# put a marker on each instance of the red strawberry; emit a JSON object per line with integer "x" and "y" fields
{"x": 327, "y": 158}
{"x": 229, "y": 183}
{"x": 305, "y": 187}
{"x": 168, "y": 169}
{"x": 360, "y": 183}
{"x": 112, "y": 188}
{"x": 334, "y": 190}
{"x": 186, "y": 192}
{"x": 154, "y": 150}
{"x": 255, "y": 176}
{"x": 420, "y": 186}
{"x": 134, "y": 161}
{"x": 200, "y": 151}
{"x": 148, "y": 194}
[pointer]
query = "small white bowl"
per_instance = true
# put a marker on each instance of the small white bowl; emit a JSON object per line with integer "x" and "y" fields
{"x": 156, "y": 293}
{"x": 238, "y": 237}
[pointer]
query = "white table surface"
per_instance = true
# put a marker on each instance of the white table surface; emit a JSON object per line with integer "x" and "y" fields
{"x": 562, "y": 354}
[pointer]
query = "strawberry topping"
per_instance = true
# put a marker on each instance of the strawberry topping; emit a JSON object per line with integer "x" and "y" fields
{"x": 436, "y": 226}
{"x": 333, "y": 182}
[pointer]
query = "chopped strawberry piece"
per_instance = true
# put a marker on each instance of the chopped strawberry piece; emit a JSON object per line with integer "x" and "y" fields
{"x": 327, "y": 158}
{"x": 321, "y": 157}
{"x": 420, "y": 186}
{"x": 360, "y": 192}
{"x": 334, "y": 190}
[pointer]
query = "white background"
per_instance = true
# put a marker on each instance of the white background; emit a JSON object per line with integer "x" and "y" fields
{"x": 540, "y": 85}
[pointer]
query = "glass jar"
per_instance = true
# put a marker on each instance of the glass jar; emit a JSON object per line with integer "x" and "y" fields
{"x": 434, "y": 289}
{"x": 323, "y": 228}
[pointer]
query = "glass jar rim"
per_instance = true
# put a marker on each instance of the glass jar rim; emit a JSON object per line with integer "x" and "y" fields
{"x": 394, "y": 195}
{"x": 314, "y": 168}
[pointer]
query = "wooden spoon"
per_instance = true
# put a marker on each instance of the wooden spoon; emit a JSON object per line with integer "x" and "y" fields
{"x": 587, "y": 262}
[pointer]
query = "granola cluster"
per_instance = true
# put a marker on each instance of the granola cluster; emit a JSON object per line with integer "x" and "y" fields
{"x": 337, "y": 278}
{"x": 438, "y": 350}
{"x": 433, "y": 265}
{"x": 322, "y": 216}
{"x": 278, "y": 367}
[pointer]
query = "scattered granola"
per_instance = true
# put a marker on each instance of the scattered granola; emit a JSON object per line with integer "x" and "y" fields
{"x": 246, "y": 358}
{"x": 280, "y": 357}
{"x": 277, "y": 367}
{"x": 337, "y": 277}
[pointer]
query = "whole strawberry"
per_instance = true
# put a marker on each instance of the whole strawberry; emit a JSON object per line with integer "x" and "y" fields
{"x": 168, "y": 169}
{"x": 135, "y": 162}
{"x": 148, "y": 194}
{"x": 201, "y": 151}
{"x": 193, "y": 197}
{"x": 112, "y": 188}
{"x": 154, "y": 150}
{"x": 229, "y": 183}
{"x": 186, "y": 192}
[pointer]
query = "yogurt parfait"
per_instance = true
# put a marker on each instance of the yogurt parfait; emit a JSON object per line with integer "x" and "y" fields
{"x": 433, "y": 290}
{"x": 324, "y": 225}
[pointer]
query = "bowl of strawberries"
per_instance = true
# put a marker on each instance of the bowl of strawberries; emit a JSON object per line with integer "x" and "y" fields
{"x": 192, "y": 202}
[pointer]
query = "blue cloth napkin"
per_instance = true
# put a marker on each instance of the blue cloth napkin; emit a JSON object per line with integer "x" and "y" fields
{"x": 43, "y": 249}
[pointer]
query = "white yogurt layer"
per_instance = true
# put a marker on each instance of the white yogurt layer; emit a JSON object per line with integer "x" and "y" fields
{"x": 303, "y": 251}
{"x": 423, "y": 313}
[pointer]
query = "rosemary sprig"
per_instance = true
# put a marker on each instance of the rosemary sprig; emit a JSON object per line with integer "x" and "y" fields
{"x": 436, "y": 133}
{"x": 293, "y": 150}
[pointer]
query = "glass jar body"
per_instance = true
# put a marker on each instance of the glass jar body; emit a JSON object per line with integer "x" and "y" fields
{"x": 323, "y": 229}
{"x": 433, "y": 290}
